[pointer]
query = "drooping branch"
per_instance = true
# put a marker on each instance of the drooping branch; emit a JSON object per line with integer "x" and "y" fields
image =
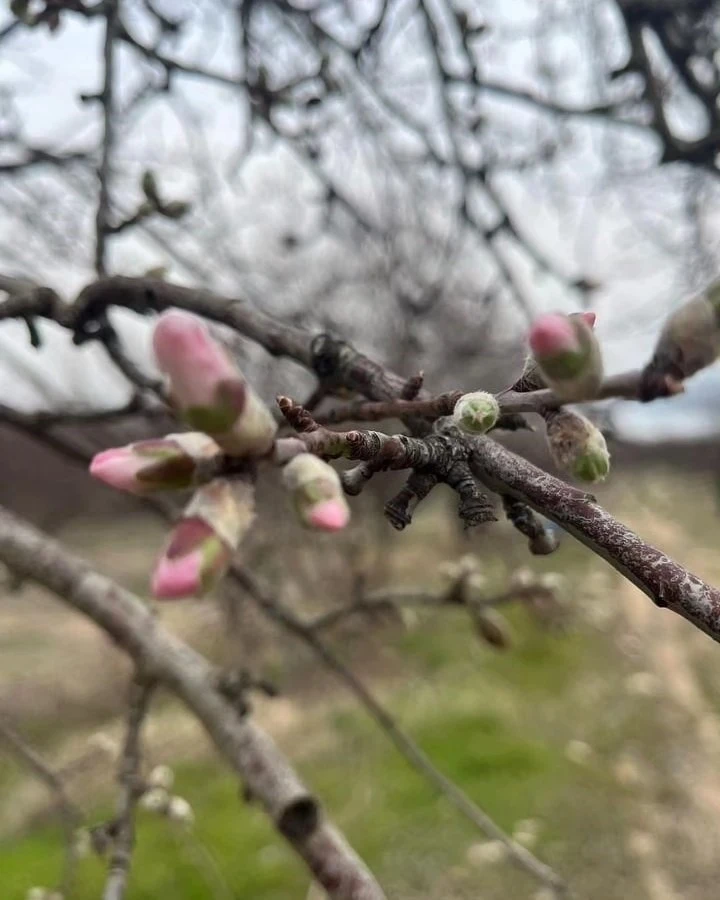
{"x": 265, "y": 772}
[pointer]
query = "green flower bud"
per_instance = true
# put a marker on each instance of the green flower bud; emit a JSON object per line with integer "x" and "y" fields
{"x": 476, "y": 413}
{"x": 577, "y": 446}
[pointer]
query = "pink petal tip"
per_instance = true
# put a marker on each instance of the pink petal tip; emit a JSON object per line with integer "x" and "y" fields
{"x": 590, "y": 318}
{"x": 552, "y": 334}
{"x": 175, "y": 579}
{"x": 331, "y": 515}
{"x": 116, "y": 468}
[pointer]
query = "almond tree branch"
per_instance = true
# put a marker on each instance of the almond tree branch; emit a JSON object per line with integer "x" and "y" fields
{"x": 666, "y": 582}
{"x": 249, "y": 750}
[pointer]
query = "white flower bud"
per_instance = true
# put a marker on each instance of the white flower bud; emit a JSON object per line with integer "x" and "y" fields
{"x": 37, "y": 893}
{"x": 578, "y": 752}
{"x": 469, "y": 563}
{"x": 522, "y": 578}
{"x": 476, "y": 413}
{"x": 551, "y": 581}
{"x": 179, "y": 810}
{"x": 103, "y": 743}
{"x": 478, "y": 583}
{"x": 161, "y": 777}
{"x": 155, "y": 800}
{"x": 486, "y": 852}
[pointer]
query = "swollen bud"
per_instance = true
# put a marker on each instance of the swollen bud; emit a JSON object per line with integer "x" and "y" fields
{"x": 203, "y": 542}
{"x": 492, "y": 628}
{"x": 476, "y": 413}
{"x": 317, "y": 493}
{"x": 179, "y": 810}
{"x": 531, "y": 378}
{"x": 568, "y": 356}
{"x": 208, "y": 389}
{"x": 689, "y": 342}
{"x": 161, "y": 464}
{"x": 577, "y": 446}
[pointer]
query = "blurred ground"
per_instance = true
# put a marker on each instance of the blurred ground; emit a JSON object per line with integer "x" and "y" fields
{"x": 605, "y": 737}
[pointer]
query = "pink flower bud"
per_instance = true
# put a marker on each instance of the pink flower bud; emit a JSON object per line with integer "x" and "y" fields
{"x": 532, "y": 378}
{"x": 203, "y": 542}
{"x": 568, "y": 355}
{"x": 317, "y": 493}
{"x": 553, "y": 334}
{"x": 161, "y": 464}
{"x": 208, "y": 388}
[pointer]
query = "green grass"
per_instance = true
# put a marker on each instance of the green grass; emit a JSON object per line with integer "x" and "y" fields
{"x": 496, "y": 723}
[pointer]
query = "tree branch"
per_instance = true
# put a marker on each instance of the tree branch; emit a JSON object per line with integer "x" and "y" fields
{"x": 267, "y": 775}
{"x": 666, "y": 582}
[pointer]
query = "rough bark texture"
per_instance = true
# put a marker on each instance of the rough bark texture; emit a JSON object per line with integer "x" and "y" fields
{"x": 665, "y": 581}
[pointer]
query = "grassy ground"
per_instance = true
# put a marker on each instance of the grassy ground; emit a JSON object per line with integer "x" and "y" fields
{"x": 605, "y": 736}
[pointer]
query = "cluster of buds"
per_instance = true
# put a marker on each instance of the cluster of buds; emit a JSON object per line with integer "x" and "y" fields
{"x": 233, "y": 429}
{"x": 467, "y": 586}
{"x": 577, "y": 446}
{"x": 158, "y": 798}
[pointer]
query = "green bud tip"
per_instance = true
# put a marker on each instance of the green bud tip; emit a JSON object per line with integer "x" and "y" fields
{"x": 476, "y": 413}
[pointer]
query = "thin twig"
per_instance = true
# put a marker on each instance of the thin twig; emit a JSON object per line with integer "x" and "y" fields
{"x": 70, "y": 814}
{"x": 123, "y": 826}
{"x": 277, "y": 611}
{"x": 107, "y": 100}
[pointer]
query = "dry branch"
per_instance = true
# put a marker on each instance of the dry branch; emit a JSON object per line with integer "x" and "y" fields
{"x": 266, "y": 774}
